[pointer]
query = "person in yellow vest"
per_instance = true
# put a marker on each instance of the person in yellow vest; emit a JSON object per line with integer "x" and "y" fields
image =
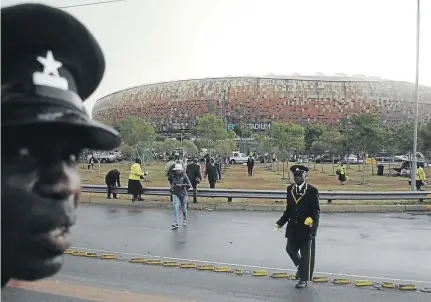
{"x": 341, "y": 172}
{"x": 134, "y": 186}
{"x": 420, "y": 177}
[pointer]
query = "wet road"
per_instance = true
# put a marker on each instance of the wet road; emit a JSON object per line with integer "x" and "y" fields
{"x": 159, "y": 284}
{"x": 394, "y": 246}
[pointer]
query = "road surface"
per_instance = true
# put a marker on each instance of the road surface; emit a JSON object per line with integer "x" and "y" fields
{"x": 378, "y": 246}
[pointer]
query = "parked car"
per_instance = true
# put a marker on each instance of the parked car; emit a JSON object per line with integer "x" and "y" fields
{"x": 238, "y": 158}
{"x": 326, "y": 158}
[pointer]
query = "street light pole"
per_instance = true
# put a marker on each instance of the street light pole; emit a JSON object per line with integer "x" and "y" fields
{"x": 415, "y": 133}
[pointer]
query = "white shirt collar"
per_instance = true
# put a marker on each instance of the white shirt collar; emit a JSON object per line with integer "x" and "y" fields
{"x": 300, "y": 186}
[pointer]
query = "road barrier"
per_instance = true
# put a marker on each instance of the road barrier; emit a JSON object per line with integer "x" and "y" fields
{"x": 271, "y": 194}
{"x": 173, "y": 263}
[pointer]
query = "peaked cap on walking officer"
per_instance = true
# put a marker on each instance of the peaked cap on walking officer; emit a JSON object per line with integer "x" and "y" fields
{"x": 51, "y": 63}
{"x": 299, "y": 169}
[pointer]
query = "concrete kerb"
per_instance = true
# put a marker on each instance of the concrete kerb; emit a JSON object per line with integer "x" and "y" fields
{"x": 173, "y": 263}
{"x": 325, "y": 208}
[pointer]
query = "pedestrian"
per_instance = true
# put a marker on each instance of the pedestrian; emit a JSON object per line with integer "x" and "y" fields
{"x": 211, "y": 172}
{"x": 179, "y": 185}
{"x": 302, "y": 217}
{"x": 51, "y": 63}
{"x": 91, "y": 163}
{"x": 341, "y": 172}
{"x": 250, "y": 165}
{"x": 194, "y": 174}
{"x": 134, "y": 186}
{"x": 112, "y": 179}
{"x": 420, "y": 177}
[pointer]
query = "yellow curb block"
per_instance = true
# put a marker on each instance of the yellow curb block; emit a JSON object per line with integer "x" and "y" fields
{"x": 259, "y": 273}
{"x": 206, "y": 267}
{"x": 188, "y": 265}
{"x": 429, "y": 207}
{"x": 280, "y": 275}
{"x": 239, "y": 271}
{"x": 78, "y": 253}
{"x": 223, "y": 269}
{"x": 293, "y": 277}
{"x": 407, "y": 287}
{"x": 341, "y": 281}
{"x": 68, "y": 251}
{"x": 154, "y": 262}
{"x": 171, "y": 263}
{"x": 138, "y": 260}
{"x": 388, "y": 285}
{"x": 363, "y": 283}
{"x": 321, "y": 279}
{"x": 108, "y": 256}
{"x": 92, "y": 255}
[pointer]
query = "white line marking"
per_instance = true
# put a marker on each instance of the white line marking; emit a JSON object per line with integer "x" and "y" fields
{"x": 251, "y": 266}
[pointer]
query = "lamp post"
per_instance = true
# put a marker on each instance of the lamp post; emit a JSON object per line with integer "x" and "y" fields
{"x": 415, "y": 126}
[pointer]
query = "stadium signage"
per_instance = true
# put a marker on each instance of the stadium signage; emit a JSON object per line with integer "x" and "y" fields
{"x": 255, "y": 126}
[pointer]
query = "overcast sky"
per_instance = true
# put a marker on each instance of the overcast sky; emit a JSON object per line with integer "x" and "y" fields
{"x": 147, "y": 41}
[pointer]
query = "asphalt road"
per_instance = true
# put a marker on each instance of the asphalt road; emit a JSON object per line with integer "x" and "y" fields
{"x": 393, "y": 246}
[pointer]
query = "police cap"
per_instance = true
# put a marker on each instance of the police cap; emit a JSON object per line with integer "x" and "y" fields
{"x": 299, "y": 169}
{"x": 51, "y": 63}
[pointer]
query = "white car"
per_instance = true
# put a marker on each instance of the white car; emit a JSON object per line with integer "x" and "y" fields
{"x": 238, "y": 158}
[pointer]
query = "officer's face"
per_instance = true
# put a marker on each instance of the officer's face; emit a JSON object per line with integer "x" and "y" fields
{"x": 39, "y": 195}
{"x": 299, "y": 178}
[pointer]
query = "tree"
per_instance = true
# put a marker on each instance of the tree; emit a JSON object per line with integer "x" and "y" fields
{"x": 333, "y": 141}
{"x": 312, "y": 133}
{"x": 318, "y": 147}
{"x": 190, "y": 147}
{"x": 243, "y": 130}
{"x": 210, "y": 128}
{"x": 424, "y": 133}
{"x": 169, "y": 145}
{"x": 364, "y": 135}
{"x": 137, "y": 134}
{"x": 286, "y": 137}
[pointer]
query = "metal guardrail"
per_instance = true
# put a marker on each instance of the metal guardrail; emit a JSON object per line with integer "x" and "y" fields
{"x": 271, "y": 194}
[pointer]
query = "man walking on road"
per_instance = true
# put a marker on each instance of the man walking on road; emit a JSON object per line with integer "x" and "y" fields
{"x": 250, "y": 165}
{"x": 112, "y": 179}
{"x": 193, "y": 172}
{"x": 302, "y": 218}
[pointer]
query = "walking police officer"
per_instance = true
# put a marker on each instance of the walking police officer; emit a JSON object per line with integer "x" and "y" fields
{"x": 302, "y": 218}
{"x": 51, "y": 63}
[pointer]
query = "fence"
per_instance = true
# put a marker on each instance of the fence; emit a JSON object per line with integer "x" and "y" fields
{"x": 272, "y": 194}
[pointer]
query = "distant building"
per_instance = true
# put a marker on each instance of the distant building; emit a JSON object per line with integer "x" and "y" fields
{"x": 173, "y": 106}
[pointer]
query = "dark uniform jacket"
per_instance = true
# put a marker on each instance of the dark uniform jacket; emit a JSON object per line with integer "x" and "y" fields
{"x": 193, "y": 172}
{"x": 212, "y": 172}
{"x": 250, "y": 162}
{"x": 300, "y": 205}
{"x": 113, "y": 177}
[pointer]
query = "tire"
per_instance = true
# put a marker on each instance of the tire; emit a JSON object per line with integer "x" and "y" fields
{"x": 232, "y": 161}
{"x": 103, "y": 161}
{"x": 262, "y": 160}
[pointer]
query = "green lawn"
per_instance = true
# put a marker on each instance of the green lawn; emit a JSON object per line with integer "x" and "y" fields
{"x": 235, "y": 176}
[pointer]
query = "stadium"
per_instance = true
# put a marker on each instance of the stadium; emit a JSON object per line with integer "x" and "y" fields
{"x": 175, "y": 106}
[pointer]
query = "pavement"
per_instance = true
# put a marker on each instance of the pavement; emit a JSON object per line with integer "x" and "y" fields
{"x": 375, "y": 246}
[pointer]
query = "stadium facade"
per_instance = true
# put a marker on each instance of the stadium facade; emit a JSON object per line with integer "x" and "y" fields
{"x": 171, "y": 106}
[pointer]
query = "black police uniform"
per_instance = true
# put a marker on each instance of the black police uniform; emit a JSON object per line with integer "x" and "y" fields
{"x": 112, "y": 178}
{"x": 301, "y": 203}
{"x": 50, "y": 64}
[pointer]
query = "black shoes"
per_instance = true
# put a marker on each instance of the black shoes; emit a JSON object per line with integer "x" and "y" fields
{"x": 301, "y": 284}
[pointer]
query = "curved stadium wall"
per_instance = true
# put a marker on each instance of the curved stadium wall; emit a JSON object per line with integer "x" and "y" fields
{"x": 176, "y": 105}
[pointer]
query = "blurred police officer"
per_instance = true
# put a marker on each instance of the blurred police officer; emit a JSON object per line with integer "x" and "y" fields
{"x": 302, "y": 218}
{"x": 50, "y": 64}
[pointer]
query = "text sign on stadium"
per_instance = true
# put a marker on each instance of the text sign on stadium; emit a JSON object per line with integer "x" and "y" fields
{"x": 256, "y": 126}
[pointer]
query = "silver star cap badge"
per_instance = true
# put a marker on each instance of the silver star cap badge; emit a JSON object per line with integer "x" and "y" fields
{"x": 50, "y": 76}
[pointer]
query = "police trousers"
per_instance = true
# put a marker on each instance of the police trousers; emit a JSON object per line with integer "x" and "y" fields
{"x": 305, "y": 260}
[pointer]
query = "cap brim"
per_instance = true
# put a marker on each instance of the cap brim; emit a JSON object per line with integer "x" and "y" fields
{"x": 85, "y": 132}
